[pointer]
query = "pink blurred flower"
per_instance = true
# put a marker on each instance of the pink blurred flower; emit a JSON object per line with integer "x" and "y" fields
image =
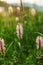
{"x": 2, "y": 48}
{"x": 39, "y": 41}
{"x": 19, "y": 30}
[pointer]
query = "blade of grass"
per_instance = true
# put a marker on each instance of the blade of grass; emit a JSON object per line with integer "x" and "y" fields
{"x": 39, "y": 33}
{"x": 9, "y": 46}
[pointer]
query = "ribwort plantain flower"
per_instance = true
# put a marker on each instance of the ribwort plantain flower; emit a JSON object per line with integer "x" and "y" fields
{"x": 2, "y": 46}
{"x": 17, "y": 18}
{"x": 18, "y": 8}
{"x": 25, "y": 16}
{"x": 39, "y": 41}
{"x": 18, "y": 11}
{"x": 10, "y": 9}
{"x": 19, "y": 30}
{"x": 33, "y": 12}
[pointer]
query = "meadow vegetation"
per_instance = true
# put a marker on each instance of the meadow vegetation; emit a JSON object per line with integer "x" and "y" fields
{"x": 26, "y": 53}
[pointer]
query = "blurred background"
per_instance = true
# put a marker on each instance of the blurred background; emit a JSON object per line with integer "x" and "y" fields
{"x": 21, "y": 21}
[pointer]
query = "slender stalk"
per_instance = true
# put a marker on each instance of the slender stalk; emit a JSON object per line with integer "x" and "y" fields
{"x": 21, "y": 5}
